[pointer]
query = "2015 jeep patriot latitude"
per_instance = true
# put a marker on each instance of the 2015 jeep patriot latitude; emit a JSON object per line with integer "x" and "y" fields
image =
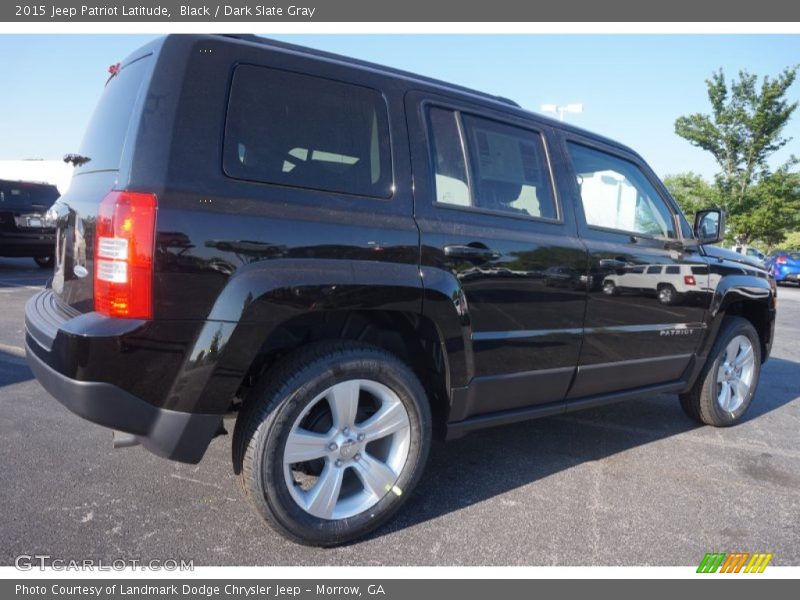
{"x": 355, "y": 260}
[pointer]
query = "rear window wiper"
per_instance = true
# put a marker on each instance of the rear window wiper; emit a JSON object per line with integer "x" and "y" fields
{"x": 76, "y": 159}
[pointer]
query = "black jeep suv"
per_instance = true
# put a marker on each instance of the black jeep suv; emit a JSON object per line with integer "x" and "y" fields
{"x": 25, "y": 229}
{"x": 355, "y": 260}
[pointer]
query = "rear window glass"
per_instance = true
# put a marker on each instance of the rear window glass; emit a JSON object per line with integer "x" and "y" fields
{"x": 26, "y": 195}
{"x": 700, "y": 270}
{"x": 653, "y": 270}
{"x": 305, "y": 131}
{"x": 104, "y": 139}
{"x": 672, "y": 270}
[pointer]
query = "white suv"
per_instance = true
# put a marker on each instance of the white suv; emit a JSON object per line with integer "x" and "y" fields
{"x": 669, "y": 282}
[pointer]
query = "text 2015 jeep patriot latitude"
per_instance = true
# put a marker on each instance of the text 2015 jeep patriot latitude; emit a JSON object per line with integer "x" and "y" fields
{"x": 355, "y": 260}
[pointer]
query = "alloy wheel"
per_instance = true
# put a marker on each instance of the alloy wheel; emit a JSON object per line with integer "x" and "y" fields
{"x": 347, "y": 448}
{"x": 735, "y": 373}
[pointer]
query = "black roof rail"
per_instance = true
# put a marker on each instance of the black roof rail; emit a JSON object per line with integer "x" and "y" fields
{"x": 254, "y": 39}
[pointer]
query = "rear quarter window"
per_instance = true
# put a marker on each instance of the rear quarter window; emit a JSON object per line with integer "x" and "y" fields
{"x": 304, "y": 131}
{"x": 107, "y": 132}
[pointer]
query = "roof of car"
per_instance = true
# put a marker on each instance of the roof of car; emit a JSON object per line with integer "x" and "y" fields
{"x": 497, "y": 101}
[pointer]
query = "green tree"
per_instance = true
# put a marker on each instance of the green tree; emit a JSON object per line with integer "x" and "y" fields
{"x": 775, "y": 209}
{"x": 742, "y": 132}
{"x": 791, "y": 241}
{"x": 692, "y": 192}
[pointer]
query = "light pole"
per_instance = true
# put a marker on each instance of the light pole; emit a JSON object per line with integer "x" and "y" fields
{"x": 560, "y": 110}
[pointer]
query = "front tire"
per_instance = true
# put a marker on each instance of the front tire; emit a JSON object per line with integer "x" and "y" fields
{"x": 332, "y": 442}
{"x": 726, "y": 385}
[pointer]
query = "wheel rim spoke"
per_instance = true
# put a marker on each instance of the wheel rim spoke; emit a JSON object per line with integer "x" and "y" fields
{"x": 742, "y": 390}
{"x": 732, "y": 350}
{"x": 302, "y": 446}
{"x": 388, "y": 420}
{"x": 744, "y": 357}
{"x": 343, "y": 400}
{"x": 377, "y": 477}
{"x": 323, "y": 496}
{"x": 725, "y": 395}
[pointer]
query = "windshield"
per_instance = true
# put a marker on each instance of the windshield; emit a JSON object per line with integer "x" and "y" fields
{"x": 105, "y": 137}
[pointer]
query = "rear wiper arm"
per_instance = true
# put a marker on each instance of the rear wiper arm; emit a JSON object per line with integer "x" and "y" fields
{"x": 76, "y": 159}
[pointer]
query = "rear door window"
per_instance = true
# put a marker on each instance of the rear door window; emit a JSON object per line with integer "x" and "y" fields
{"x": 303, "y": 131}
{"x": 450, "y": 170}
{"x": 507, "y": 166}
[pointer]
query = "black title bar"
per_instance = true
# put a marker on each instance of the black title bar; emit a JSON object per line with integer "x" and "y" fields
{"x": 305, "y": 11}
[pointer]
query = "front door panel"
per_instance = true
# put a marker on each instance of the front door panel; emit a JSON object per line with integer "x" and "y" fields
{"x": 645, "y": 308}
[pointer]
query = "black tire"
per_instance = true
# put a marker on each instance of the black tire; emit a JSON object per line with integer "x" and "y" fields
{"x": 610, "y": 288}
{"x": 700, "y": 403}
{"x": 667, "y": 294}
{"x": 280, "y": 398}
{"x": 44, "y": 262}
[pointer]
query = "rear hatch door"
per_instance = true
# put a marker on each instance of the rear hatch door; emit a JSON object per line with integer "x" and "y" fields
{"x": 100, "y": 166}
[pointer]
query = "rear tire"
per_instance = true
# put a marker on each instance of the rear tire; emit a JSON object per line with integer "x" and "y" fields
{"x": 311, "y": 446}
{"x": 44, "y": 262}
{"x": 726, "y": 385}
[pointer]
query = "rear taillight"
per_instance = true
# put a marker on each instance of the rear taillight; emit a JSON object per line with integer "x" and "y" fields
{"x": 689, "y": 280}
{"x": 123, "y": 255}
{"x": 781, "y": 260}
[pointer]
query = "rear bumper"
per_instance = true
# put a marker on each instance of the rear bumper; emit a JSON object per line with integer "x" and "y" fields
{"x": 176, "y": 435}
{"x": 27, "y": 244}
{"x": 790, "y": 276}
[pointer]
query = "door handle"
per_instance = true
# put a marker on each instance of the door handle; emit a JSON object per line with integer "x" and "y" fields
{"x": 467, "y": 252}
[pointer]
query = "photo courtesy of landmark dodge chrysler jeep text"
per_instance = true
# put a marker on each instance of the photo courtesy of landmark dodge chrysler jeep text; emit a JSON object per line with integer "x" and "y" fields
{"x": 354, "y": 260}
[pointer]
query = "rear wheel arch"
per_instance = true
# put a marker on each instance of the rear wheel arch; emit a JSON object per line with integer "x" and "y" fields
{"x": 411, "y": 337}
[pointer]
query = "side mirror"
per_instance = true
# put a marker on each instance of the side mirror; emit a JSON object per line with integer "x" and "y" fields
{"x": 709, "y": 226}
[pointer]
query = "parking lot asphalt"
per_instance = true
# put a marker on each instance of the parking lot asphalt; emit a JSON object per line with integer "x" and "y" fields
{"x": 637, "y": 483}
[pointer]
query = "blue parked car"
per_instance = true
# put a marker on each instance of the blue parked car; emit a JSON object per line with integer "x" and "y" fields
{"x": 785, "y": 266}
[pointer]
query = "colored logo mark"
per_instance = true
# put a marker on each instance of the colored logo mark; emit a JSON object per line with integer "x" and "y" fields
{"x": 734, "y": 562}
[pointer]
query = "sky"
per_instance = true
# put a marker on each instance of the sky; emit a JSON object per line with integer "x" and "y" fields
{"x": 632, "y": 87}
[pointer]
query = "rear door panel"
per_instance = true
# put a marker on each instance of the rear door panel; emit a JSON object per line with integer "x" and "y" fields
{"x": 522, "y": 325}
